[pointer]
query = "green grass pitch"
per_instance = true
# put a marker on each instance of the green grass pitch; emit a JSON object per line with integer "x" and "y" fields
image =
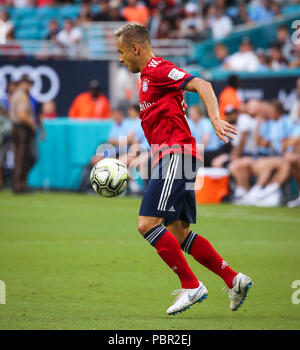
{"x": 73, "y": 261}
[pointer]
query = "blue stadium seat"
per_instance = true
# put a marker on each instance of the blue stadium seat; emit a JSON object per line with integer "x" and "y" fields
{"x": 69, "y": 11}
{"x": 27, "y": 33}
{"x": 47, "y": 12}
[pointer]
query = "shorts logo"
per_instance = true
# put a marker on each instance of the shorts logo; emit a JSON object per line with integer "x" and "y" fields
{"x": 176, "y": 74}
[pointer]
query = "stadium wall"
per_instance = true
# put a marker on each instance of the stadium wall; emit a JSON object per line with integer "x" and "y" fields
{"x": 56, "y": 80}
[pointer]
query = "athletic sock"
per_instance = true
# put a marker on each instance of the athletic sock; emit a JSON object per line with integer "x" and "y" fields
{"x": 169, "y": 250}
{"x": 206, "y": 255}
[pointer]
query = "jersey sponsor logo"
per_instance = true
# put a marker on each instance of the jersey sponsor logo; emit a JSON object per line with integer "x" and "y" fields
{"x": 176, "y": 74}
{"x": 144, "y": 105}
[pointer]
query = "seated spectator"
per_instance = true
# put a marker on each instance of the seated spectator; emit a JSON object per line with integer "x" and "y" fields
{"x": 138, "y": 156}
{"x": 9, "y": 26}
{"x": 136, "y": 12}
{"x": 244, "y": 143}
{"x": 293, "y": 159}
{"x": 91, "y": 104}
{"x": 295, "y": 108}
{"x": 278, "y": 61}
{"x": 220, "y": 24}
{"x": 110, "y": 11}
{"x": 69, "y": 35}
{"x": 265, "y": 62}
{"x": 48, "y": 110}
{"x": 41, "y": 3}
{"x": 114, "y": 12}
{"x": 85, "y": 15}
{"x": 243, "y": 60}
{"x": 221, "y": 53}
{"x": 295, "y": 63}
{"x": 242, "y": 16}
{"x": 203, "y": 131}
{"x": 192, "y": 25}
{"x": 283, "y": 37}
{"x": 272, "y": 171}
{"x": 229, "y": 96}
{"x": 53, "y": 30}
{"x": 262, "y": 11}
{"x": 198, "y": 124}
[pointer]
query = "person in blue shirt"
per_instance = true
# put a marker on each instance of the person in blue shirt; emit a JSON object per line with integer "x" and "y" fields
{"x": 271, "y": 171}
{"x": 138, "y": 157}
{"x": 202, "y": 129}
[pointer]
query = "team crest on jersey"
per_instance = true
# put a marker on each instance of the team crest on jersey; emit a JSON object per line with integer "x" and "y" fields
{"x": 145, "y": 85}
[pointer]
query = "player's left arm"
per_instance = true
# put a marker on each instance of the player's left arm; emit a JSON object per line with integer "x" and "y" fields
{"x": 223, "y": 129}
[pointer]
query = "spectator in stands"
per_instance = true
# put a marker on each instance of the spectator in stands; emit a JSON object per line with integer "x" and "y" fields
{"x": 293, "y": 159}
{"x": 221, "y": 53}
{"x": 271, "y": 172}
{"x": 126, "y": 89}
{"x": 53, "y": 30}
{"x": 41, "y": 3}
{"x": 136, "y": 12}
{"x": 22, "y": 118}
{"x": 117, "y": 137}
{"x": 265, "y": 62}
{"x": 278, "y": 61}
{"x": 9, "y": 26}
{"x": 262, "y": 11}
{"x": 244, "y": 144}
{"x": 220, "y": 24}
{"x": 114, "y": 12}
{"x": 91, "y": 104}
{"x": 243, "y": 60}
{"x": 85, "y": 15}
{"x": 242, "y": 16}
{"x": 23, "y": 3}
{"x": 295, "y": 108}
{"x": 199, "y": 125}
{"x": 192, "y": 25}
{"x": 229, "y": 96}
{"x": 48, "y": 110}
{"x": 296, "y": 62}
{"x": 284, "y": 39}
{"x": 139, "y": 151}
{"x": 70, "y": 35}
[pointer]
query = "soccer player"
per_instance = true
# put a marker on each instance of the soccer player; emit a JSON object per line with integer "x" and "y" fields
{"x": 168, "y": 206}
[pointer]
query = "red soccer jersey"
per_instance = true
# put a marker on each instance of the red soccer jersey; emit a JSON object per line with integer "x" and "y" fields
{"x": 162, "y": 109}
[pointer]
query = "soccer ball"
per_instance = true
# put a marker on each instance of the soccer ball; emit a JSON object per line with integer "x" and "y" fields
{"x": 109, "y": 177}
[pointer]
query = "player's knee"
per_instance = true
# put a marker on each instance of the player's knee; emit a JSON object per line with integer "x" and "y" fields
{"x": 145, "y": 225}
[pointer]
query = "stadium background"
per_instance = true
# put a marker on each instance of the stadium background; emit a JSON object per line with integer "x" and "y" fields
{"x": 53, "y": 244}
{"x": 62, "y": 73}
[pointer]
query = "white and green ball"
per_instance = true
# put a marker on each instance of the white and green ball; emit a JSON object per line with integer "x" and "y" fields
{"x": 109, "y": 177}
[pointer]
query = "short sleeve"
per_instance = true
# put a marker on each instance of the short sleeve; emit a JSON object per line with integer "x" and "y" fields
{"x": 166, "y": 74}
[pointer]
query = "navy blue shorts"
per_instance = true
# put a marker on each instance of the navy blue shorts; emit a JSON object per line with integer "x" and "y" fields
{"x": 170, "y": 192}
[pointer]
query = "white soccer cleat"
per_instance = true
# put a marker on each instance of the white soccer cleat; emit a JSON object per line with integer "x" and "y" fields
{"x": 294, "y": 203}
{"x": 186, "y": 298}
{"x": 238, "y": 293}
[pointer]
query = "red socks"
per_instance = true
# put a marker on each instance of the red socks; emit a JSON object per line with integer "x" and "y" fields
{"x": 170, "y": 251}
{"x": 206, "y": 255}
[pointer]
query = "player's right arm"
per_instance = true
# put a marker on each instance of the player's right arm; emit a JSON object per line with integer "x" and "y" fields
{"x": 204, "y": 89}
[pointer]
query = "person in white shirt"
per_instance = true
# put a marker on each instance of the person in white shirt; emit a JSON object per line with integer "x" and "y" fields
{"x": 244, "y": 60}
{"x": 69, "y": 35}
{"x": 221, "y": 25}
